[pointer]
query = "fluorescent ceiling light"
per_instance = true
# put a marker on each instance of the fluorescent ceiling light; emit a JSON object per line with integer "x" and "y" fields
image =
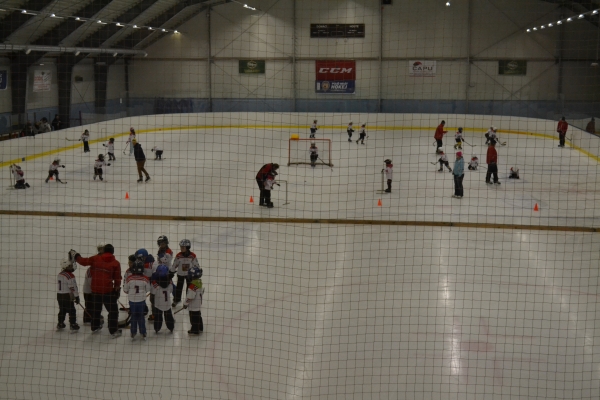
{"x": 150, "y": 28}
{"x": 115, "y": 54}
{"x": 164, "y": 30}
{"x": 135, "y": 27}
{"x": 27, "y": 51}
{"x": 558, "y": 22}
{"x": 595, "y": 12}
{"x": 447, "y": 4}
{"x": 569, "y": 19}
{"x": 250, "y": 8}
{"x": 119, "y": 24}
{"x": 102, "y": 23}
{"x": 528, "y": 30}
{"x": 581, "y": 16}
{"x": 535, "y": 29}
{"x": 550, "y": 25}
{"x": 543, "y": 27}
{"x": 175, "y": 31}
{"x": 77, "y": 53}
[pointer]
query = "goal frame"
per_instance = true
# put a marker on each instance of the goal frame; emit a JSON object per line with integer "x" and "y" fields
{"x": 317, "y": 141}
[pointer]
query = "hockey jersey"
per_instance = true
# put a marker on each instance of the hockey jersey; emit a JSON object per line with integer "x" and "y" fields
{"x": 491, "y": 134}
{"x": 110, "y": 147}
{"x": 53, "y": 167}
{"x": 474, "y": 163}
{"x": 362, "y": 131}
{"x": 100, "y": 164}
{"x": 388, "y": 171}
{"x": 194, "y": 295}
{"x": 136, "y": 287}
{"x": 183, "y": 262}
{"x": 268, "y": 185}
{"x": 314, "y": 150}
{"x": 149, "y": 266}
{"x": 67, "y": 284}
{"x": 350, "y": 128}
{"x": 157, "y": 148}
{"x": 85, "y": 137}
{"x": 130, "y": 138}
{"x": 443, "y": 158}
{"x": 458, "y": 136}
{"x": 163, "y": 258}
{"x": 314, "y": 127}
{"x": 162, "y": 296}
{"x": 18, "y": 174}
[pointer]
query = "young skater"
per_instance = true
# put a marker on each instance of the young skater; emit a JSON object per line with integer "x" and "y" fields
{"x": 67, "y": 294}
{"x": 158, "y": 152}
{"x": 474, "y": 163}
{"x": 19, "y": 176}
{"x": 361, "y": 134}
{"x": 148, "y": 262}
{"x": 491, "y": 135}
{"x": 165, "y": 254}
{"x": 130, "y": 139}
{"x": 459, "y": 175}
{"x": 136, "y": 286}
{"x": 194, "y": 301}
{"x": 439, "y": 135}
{"x": 314, "y": 154}
{"x": 269, "y": 183}
{"x": 562, "y": 127}
{"x": 53, "y": 170}
{"x": 443, "y": 160}
{"x": 458, "y": 138}
{"x": 350, "y": 131}
{"x": 161, "y": 289}
{"x": 313, "y": 129}
{"x": 184, "y": 260}
{"x": 514, "y": 173}
{"x": 388, "y": 174}
{"x": 85, "y": 137}
{"x": 110, "y": 146}
{"x": 98, "y": 166}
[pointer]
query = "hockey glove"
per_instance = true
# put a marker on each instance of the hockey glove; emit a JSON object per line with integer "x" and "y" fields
{"x": 278, "y": 184}
{"x": 77, "y": 300}
{"x": 103, "y": 145}
{"x": 62, "y": 166}
{"x": 108, "y": 165}
{"x": 117, "y": 293}
{"x": 184, "y": 307}
{"x": 171, "y": 275}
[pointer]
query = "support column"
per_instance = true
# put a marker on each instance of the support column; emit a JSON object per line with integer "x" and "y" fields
{"x": 380, "y": 90}
{"x": 127, "y": 105}
{"x": 294, "y": 71}
{"x": 19, "y": 69}
{"x": 64, "y": 70}
{"x": 560, "y": 109}
{"x": 209, "y": 67}
{"x": 100, "y": 84}
{"x": 469, "y": 24}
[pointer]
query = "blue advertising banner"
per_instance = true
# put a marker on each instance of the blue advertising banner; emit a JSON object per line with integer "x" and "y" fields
{"x": 3, "y": 80}
{"x": 335, "y": 87}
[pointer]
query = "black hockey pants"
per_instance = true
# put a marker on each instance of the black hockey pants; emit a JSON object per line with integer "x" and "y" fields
{"x": 492, "y": 169}
{"x": 196, "y": 321}
{"x": 158, "y": 319}
{"x": 181, "y": 280}
{"x": 66, "y": 306}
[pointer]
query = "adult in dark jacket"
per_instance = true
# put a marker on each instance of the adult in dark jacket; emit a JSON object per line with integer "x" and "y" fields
{"x": 492, "y": 162}
{"x": 261, "y": 176}
{"x": 106, "y": 287}
{"x": 56, "y": 122}
{"x": 140, "y": 160}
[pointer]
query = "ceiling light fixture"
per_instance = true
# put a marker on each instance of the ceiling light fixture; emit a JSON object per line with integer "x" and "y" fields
{"x": 164, "y": 30}
{"x": 135, "y": 27}
{"x": 569, "y": 19}
{"x": 447, "y": 4}
{"x": 558, "y": 22}
{"x": 27, "y": 51}
{"x": 77, "y": 53}
{"x": 249, "y": 7}
{"x": 594, "y": 12}
{"x": 175, "y": 31}
{"x": 119, "y": 24}
{"x": 581, "y": 16}
{"x": 150, "y": 28}
{"x": 115, "y": 54}
{"x": 528, "y": 30}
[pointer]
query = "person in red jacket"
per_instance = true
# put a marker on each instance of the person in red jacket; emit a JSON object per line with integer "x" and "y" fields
{"x": 439, "y": 135}
{"x": 261, "y": 176}
{"x": 106, "y": 287}
{"x": 562, "y": 127}
{"x": 492, "y": 162}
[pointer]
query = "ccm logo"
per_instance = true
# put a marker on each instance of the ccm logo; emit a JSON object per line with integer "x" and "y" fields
{"x": 324, "y": 70}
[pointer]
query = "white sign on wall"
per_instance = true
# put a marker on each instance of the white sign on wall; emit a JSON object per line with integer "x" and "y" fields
{"x": 421, "y": 68}
{"x": 42, "y": 81}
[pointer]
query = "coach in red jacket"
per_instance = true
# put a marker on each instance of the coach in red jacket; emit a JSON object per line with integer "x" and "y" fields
{"x": 562, "y": 127}
{"x": 261, "y": 176}
{"x": 106, "y": 286}
{"x": 439, "y": 135}
{"x": 492, "y": 162}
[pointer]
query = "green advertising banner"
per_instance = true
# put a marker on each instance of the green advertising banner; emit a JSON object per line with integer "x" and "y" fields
{"x": 508, "y": 67}
{"x": 252, "y": 66}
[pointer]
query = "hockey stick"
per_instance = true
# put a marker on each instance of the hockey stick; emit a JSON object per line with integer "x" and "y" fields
{"x": 181, "y": 309}
{"x": 325, "y": 163}
{"x": 72, "y": 140}
{"x": 123, "y": 308}
{"x": 126, "y": 144}
{"x": 468, "y": 143}
{"x": 382, "y": 190}
{"x": 85, "y": 311}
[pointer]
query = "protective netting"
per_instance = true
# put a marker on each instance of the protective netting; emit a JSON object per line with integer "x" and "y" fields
{"x": 386, "y": 270}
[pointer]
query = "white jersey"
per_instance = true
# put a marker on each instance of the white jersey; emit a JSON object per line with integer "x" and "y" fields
{"x": 162, "y": 296}
{"x": 314, "y": 127}
{"x": 165, "y": 258}
{"x": 474, "y": 163}
{"x": 131, "y": 137}
{"x": 350, "y": 128}
{"x": 18, "y": 174}
{"x": 269, "y": 183}
{"x": 67, "y": 284}
{"x": 99, "y": 164}
{"x": 111, "y": 147}
{"x": 85, "y": 137}
{"x": 87, "y": 282}
{"x": 388, "y": 171}
{"x": 362, "y": 131}
{"x": 458, "y": 135}
{"x": 136, "y": 287}
{"x": 491, "y": 134}
{"x": 444, "y": 158}
{"x": 53, "y": 167}
{"x": 193, "y": 299}
{"x": 314, "y": 150}
{"x": 157, "y": 148}
{"x": 182, "y": 263}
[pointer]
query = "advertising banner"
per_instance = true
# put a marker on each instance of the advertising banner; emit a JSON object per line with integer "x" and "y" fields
{"x": 422, "y": 68}
{"x": 335, "y": 77}
{"x": 42, "y": 81}
{"x": 507, "y": 67}
{"x": 3, "y": 80}
{"x": 252, "y": 66}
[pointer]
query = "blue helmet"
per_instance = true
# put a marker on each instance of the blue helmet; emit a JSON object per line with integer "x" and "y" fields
{"x": 162, "y": 271}
{"x": 142, "y": 253}
{"x": 194, "y": 273}
{"x": 137, "y": 268}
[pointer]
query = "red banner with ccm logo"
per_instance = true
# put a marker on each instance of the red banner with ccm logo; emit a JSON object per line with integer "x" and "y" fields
{"x": 336, "y": 70}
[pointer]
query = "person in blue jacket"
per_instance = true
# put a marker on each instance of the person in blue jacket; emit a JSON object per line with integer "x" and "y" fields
{"x": 459, "y": 174}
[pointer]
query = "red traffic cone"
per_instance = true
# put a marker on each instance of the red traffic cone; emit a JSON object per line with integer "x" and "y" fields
{"x": 536, "y": 208}
{"x": 379, "y": 203}
{"x": 251, "y": 200}
{"x": 126, "y": 196}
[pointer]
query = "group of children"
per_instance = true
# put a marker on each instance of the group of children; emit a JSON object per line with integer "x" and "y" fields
{"x": 144, "y": 277}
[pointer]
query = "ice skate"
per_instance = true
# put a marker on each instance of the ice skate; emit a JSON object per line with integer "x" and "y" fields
{"x": 191, "y": 333}
{"x": 496, "y": 183}
{"x": 440, "y": 170}
{"x": 388, "y": 190}
{"x": 94, "y": 177}
{"x": 140, "y": 180}
{"x": 118, "y": 333}
{"x": 270, "y": 205}
{"x": 174, "y": 304}
{"x": 147, "y": 178}
{"x": 74, "y": 327}
{"x": 101, "y": 178}
{"x": 133, "y": 336}
{"x": 144, "y": 336}
{"x": 61, "y": 325}
{"x": 488, "y": 182}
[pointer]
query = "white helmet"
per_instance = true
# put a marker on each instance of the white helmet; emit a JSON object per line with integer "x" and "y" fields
{"x": 100, "y": 246}
{"x": 66, "y": 264}
{"x": 494, "y": 128}
{"x": 57, "y": 160}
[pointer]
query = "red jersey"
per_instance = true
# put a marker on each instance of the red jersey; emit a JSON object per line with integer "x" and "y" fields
{"x": 262, "y": 173}
{"x": 562, "y": 126}
{"x": 105, "y": 271}
{"x": 439, "y": 132}
{"x": 492, "y": 155}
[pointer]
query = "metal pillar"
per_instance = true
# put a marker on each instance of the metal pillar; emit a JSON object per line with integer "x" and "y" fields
{"x": 294, "y": 39}
{"x": 469, "y": 24}
{"x": 210, "y": 101}
{"x": 561, "y": 41}
{"x": 380, "y": 90}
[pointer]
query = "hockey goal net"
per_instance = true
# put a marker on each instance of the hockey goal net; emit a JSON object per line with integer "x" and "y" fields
{"x": 298, "y": 152}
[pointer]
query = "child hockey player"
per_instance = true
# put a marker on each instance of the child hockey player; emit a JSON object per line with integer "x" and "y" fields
{"x": 53, "y": 170}
{"x": 110, "y": 146}
{"x": 388, "y": 174}
{"x": 458, "y": 137}
{"x": 161, "y": 290}
{"x": 98, "y": 166}
{"x": 66, "y": 295}
{"x": 443, "y": 161}
{"x": 165, "y": 254}
{"x": 314, "y": 154}
{"x": 158, "y": 151}
{"x": 136, "y": 287}
{"x": 491, "y": 135}
{"x": 184, "y": 260}
{"x": 562, "y": 127}
{"x": 350, "y": 131}
{"x": 148, "y": 262}
{"x": 361, "y": 134}
{"x": 439, "y": 135}
{"x": 85, "y": 137}
{"x": 313, "y": 129}
{"x": 514, "y": 173}
{"x": 474, "y": 163}
{"x": 194, "y": 301}
{"x": 19, "y": 176}
{"x": 269, "y": 183}
{"x": 130, "y": 139}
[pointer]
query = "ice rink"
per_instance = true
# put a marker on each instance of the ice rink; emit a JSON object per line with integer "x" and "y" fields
{"x": 316, "y": 310}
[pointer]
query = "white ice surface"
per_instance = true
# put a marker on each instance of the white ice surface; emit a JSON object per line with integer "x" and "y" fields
{"x": 298, "y": 311}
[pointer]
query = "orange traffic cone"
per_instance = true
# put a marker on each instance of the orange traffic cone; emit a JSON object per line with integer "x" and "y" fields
{"x": 379, "y": 203}
{"x": 536, "y": 208}
{"x": 126, "y": 196}
{"x": 51, "y": 178}
{"x": 251, "y": 200}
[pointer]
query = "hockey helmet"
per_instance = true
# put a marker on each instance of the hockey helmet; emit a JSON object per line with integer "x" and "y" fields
{"x": 109, "y": 248}
{"x": 137, "y": 268}
{"x": 363, "y": 125}
{"x": 101, "y": 157}
{"x": 131, "y": 129}
{"x": 194, "y": 273}
{"x": 111, "y": 139}
{"x": 131, "y": 258}
{"x": 460, "y": 129}
{"x": 494, "y": 128}
{"x": 57, "y": 160}
{"x": 162, "y": 239}
{"x": 350, "y": 123}
{"x": 440, "y": 150}
{"x": 100, "y": 247}
{"x": 185, "y": 243}
{"x": 134, "y": 140}
{"x": 67, "y": 265}
{"x": 142, "y": 253}
{"x": 387, "y": 161}
{"x": 162, "y": 271}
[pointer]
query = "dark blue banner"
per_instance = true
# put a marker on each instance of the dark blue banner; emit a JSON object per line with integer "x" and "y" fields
{"x": 3, "y": 80}
{"x": 335, "y": 87}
